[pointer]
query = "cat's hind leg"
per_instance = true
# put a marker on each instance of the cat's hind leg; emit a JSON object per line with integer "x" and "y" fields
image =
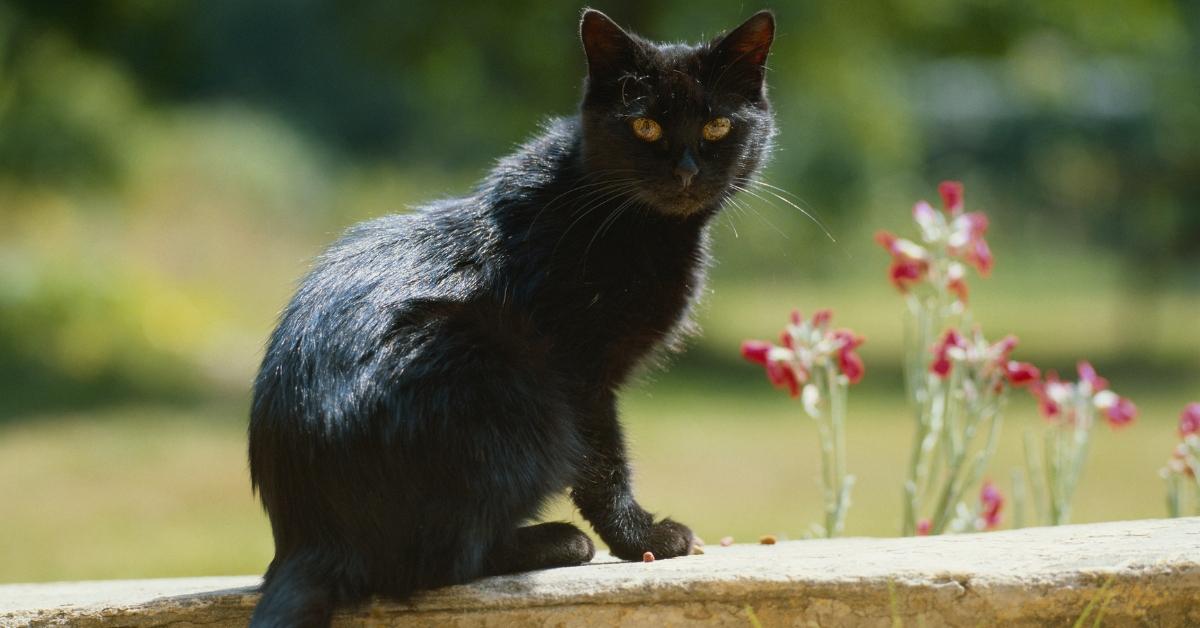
{"x": 541, "y": 546}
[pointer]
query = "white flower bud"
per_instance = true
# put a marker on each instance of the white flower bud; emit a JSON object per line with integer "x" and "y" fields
{"x": 811, "y": 398}
{"x": 1105, "y": 399}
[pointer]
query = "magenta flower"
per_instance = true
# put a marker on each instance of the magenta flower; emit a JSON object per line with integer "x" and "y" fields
{"x": 964, "y": 233}
{"x": 1120, "y": 411}
{"x": 1087, "y": 373}
{"x": 952, "y": 196}
{"x": 987, "y": 359}
{"x": 1051, "y": 394}
{"x": 966, "y": 241}
{"x": 923, "y": 527}
{"x": 1189, "y": 421}
{"x": 1021, "y": 373}
{"x": 927, "y": 219}
{"x": 756, "y": 351}
{"x": 942, "y": 364}
{"x": 804, "y": 345}
{"x": 956, "y": 281}
{"x": 910, "y": 261}
{"x": 785, "y": 375}
{"x": 849, "y": 362}
{"x": 1058, "y": 399}
{"x": 951, "y": 239}
{"x": 1002, "y": 350}
{"x": 777, "y": 362}
{"x": 1179, "y": 461}
{"x": 990, "y": 504}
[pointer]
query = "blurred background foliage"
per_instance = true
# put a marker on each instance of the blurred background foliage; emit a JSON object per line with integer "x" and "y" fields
{"x": 167, "y": 169}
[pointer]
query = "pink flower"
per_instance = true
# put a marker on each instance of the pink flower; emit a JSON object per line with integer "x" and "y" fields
{"x": 991, "y": 502}
{"x": 910, "y": 261}
{"x": 927, "y": 219}
{"x": 901, "y": 248}
{"x": 805, "y": 344}
{"x": 780, "y": 370}
{"x": 756, "y": 351}
{"x": 906, "y": 274}
{"x": 1120, "y": 411}
{"x": 849, "y": 362}
{"x": 966, "y": 241}
{"x": 1021, "y": 373}
{"x": 980, "y": 256}
{"x": 1179, "y": 461}
{"x": 952, "y": 196}
{"x": 1088, "y": 374}
{"x": 1003, "y": 349}
{"x": 960, "y": 235}
{"x": 1044, "y": 392}
{"x": 941, "y": 353}
{"x": 1189, "y": 421}
{"x": 956, "y": 281}
{"x": 972, "y": 226}
{"x": 923, "y": 527}
{"x": 782, "y": 375}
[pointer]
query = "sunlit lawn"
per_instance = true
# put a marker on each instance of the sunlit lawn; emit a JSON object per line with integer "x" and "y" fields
{"x": 150, "y": 491}
{"x": 156, "y": 492}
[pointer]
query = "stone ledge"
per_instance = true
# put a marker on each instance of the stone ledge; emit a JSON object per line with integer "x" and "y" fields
{"x": 1148, "y": 571}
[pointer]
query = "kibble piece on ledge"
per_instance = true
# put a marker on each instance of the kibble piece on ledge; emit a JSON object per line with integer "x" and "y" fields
{"x": 648, "y": 557}
{"x": 767, "y": 539}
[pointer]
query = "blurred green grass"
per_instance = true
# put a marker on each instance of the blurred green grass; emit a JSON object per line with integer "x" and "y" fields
{"x": 125, "y": 455}
{"x": 157, "y": 492}
{"x": 163, "y": 490}
{"x": 151, "y": 227}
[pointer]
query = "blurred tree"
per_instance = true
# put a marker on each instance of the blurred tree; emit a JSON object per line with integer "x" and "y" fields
{"x": 1074, "y": 122}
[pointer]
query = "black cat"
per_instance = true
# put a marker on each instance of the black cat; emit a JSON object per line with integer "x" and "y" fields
{"x": 439, "y": 375}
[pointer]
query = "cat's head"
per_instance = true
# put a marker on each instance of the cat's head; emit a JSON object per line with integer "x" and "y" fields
{"x": 680, "y": 124}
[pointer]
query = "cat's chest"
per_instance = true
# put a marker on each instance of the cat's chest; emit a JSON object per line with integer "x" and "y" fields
{"x": 642, "y": 299}
{"x": 620, "y": 312}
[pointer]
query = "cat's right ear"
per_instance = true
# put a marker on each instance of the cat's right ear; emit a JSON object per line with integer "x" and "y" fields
{"x": 609, "y": 49}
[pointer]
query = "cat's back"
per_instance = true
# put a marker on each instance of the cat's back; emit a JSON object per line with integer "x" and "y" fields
{"x": 370, "y": 298}
{"x": 383, "y": 264}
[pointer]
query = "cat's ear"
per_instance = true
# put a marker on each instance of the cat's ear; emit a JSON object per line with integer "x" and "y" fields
{"x": 609, "y": 49}
{"x": 743, "y": 51}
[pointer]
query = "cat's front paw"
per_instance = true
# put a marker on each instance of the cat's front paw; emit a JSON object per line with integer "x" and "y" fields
{"x": 665, "y": 539}
{"x": 668, "y": 539}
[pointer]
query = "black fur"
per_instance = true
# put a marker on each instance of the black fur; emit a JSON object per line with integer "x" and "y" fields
{"x": 440, "y": 374}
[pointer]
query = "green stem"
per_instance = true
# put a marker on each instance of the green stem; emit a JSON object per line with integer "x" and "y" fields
{"x": 1053, "y": 454}
{"x": 1033, "y": 468}
{"x": 828, "y": 476}
{"x": 916, "y": 384}
{"x": 1173, "y": 509}
{"x": 837, "y": 415}
{"x": 1018, "y": 493}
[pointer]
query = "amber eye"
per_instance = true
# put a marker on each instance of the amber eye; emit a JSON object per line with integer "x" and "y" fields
{"x": 646, "y": 129}
{"x": 717, "y": 128}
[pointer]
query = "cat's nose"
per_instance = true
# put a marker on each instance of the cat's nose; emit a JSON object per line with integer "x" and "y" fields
{"x": 686, "y": 168}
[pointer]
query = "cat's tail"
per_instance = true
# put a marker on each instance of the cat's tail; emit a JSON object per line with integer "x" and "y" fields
{"x": 297, "y": 592}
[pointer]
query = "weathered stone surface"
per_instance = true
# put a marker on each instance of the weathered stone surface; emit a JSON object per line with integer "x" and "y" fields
{"x": 1143, "y": 573}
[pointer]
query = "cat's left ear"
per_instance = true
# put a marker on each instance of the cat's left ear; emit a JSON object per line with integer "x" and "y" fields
{"x": 744, "y": 50}
{"x": 609, "y": 48}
